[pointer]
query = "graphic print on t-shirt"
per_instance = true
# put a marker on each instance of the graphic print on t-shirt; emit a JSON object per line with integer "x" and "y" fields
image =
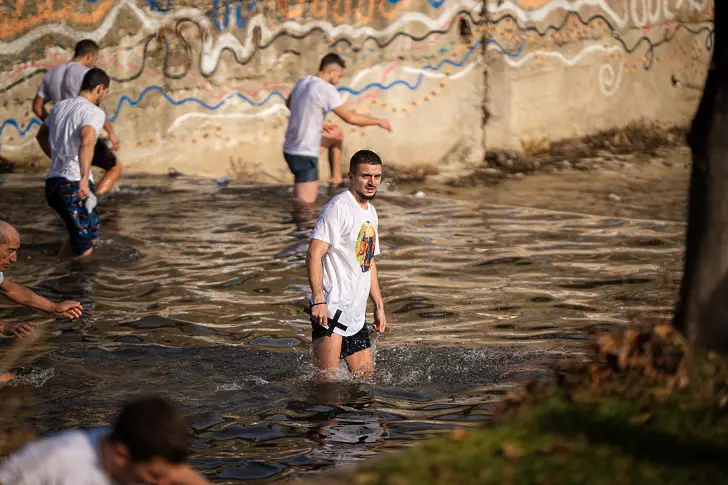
{"x": 365, "y": 246}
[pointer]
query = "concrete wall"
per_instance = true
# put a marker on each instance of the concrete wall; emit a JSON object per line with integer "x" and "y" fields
{"x": 561, "y": 69}
{"x": 200, "y": 85}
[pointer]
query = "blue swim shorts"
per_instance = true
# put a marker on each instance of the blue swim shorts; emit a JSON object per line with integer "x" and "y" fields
{"x": 82, "y": 226}
{"x": 303, "y": 167}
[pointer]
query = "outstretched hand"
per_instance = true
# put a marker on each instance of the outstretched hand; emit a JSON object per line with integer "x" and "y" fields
{"x": 19, "y": 330}
{"x": 68, "y": 309}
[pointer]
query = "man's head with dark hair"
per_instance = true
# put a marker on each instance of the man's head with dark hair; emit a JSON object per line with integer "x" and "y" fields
{"x": 148, "y": 442}
{"x": 95, "y": 85}
{"x": 365, "y": 174}
{"x": 86, "y": 52}
{"x": 332, "y": 68}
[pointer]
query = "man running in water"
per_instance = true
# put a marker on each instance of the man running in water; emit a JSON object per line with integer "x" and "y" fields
{"x": 73, "y": 126}
{"x": 63, "y": 82}
{"x": 310, "y": 99}
{"x": 147, "y": 445}
{"x": 9, "y": 245}
{"x": 342, "y": 271}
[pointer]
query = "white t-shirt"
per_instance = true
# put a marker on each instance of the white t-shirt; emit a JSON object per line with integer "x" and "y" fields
{"x": 63, "y": 82}
{"x": 67, "y": 458}
{"x": 311, "y": 99}
{"x": 352, "y": 235}
{"x": 64, "y": 125}
{"x": 1, "y": 277}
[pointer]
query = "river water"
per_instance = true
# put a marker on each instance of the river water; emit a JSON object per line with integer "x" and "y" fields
{"x": 197, "y": 292}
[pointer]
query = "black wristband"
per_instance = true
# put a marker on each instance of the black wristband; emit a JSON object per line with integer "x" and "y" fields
{"x": 321, "y": 303}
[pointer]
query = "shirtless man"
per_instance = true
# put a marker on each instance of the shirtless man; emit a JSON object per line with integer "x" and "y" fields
{"x": 73, "y": 127}
{"x": 9, "y": 245}
{"x": 63, "y": 82}
{"x": 342, "y": 271}
{"x": 146, "y": 445}
{"x": 310, "y": 99}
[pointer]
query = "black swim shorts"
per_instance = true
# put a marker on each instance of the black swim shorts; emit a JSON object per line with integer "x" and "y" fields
{"x": 103, "y": 156}
{"x": 349, "y": 345}
{"x": 303, "y": 167}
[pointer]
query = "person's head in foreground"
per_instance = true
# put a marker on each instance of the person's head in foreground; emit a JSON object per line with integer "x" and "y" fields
{"x": 9, "y": 245}
{"x": 148, "y": 443}
{"x": 365, "y": 174}
{"x": 86, "y": 52}
{"x": 332, "y": 68}
{"x": 95, "y": 85}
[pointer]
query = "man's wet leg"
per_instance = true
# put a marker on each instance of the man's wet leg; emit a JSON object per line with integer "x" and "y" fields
{"x": 327, "y": 353}
{"x": 109, "y": 179}
{"x": 361, "y": 363}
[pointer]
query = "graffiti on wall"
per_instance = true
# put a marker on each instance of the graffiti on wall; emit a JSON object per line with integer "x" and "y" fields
{"x": 223, "y": 61}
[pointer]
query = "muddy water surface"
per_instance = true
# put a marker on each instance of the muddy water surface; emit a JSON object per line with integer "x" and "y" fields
{"x": 197, "y": 292}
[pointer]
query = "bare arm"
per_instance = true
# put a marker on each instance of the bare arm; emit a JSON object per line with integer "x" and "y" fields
{"x": 109, "y": 128}
{"x": 26, "y": 297}
{"x": 375, "y": 293}
{"x": 315, "y": 270}
{"x": 85, "y": 156}
{"x": 360, "y": 120}
{"x": 39, "y": 108}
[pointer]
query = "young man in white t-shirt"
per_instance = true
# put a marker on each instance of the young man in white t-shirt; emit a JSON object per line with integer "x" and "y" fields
{"x": 9, "y": 245}
{"x": 147, "y": 445}
{"x": 342, "y": 271}
{"x": 64, "y": 82}
{"x": 311, "y": 98}
{"x": 73, "y": 127}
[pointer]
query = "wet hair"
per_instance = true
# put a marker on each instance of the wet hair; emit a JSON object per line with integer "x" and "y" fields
{"x": 363, "y": 157}
{"x": 93, "y": 78}
{"x": 151, "y": 427}
{"x": 85, "y": 46}
{"x": 331, "y": 58}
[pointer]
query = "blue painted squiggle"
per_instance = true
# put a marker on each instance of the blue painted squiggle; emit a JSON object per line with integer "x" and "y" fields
{"x": 277, "y": 94}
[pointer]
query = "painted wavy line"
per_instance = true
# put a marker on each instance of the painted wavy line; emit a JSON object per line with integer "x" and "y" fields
{"x": 281, "y": 109}
{"x": 558, "y": 55}
{"x": 629, "y": 7}
{"x": 213, "y": 48}
{"x": 133, "y": 102}
{"x": 629, "y": 49}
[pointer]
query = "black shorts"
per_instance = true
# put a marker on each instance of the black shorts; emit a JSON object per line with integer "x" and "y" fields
{"x": 303, "y": 167}
{"x": 103, "y": 156}
{"x": 349, "y": 345}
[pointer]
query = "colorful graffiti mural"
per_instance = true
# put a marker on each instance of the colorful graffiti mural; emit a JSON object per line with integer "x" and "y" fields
{"x": 209, "y": 64}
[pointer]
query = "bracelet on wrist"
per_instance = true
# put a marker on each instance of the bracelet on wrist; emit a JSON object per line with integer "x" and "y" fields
{"x": 319, "y": 303}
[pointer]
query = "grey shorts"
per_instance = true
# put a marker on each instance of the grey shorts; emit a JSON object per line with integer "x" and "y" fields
{"x": 303, "y": 167}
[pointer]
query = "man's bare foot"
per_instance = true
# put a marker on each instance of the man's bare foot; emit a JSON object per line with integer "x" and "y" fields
{"x": 7, "y": 377}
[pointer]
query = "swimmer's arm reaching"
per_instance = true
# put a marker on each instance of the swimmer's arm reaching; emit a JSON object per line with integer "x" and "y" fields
{"x": 85, "y": 155}
{"x": 380, "y": 319}
{"x": 26, "y": 297}
{"x": 360, "y": 120}
{"x": 315, "y": 270}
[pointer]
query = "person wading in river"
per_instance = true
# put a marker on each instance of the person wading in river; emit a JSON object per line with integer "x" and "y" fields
{"x": 74, "y": 125}
{"x": 310, "y": 99}
{"x": 147, "y": 445}
{"x": 342, "y": 271}
{"x": 64, "y": 82}
{"x": 9, "y": 245}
